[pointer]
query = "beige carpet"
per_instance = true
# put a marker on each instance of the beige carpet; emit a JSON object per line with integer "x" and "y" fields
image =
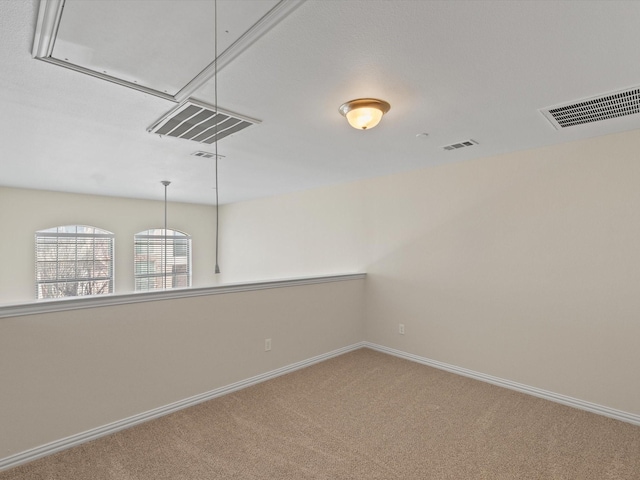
{"x": 363, "y": 415}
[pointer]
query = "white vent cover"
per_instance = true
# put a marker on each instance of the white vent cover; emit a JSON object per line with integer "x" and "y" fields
{"x": 456, "y": 146}
{"x": 205, "y": 154}
{"x": 603, "y": 107}
{"x": 200, "y": 122}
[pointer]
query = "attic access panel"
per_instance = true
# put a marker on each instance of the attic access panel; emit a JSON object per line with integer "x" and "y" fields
{"x": 165, "y": 48}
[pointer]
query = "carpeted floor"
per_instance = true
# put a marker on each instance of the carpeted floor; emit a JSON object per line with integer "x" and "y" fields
{"x": 363, "y": 415}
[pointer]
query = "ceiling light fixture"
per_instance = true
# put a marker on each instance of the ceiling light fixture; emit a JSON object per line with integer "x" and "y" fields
{"x": 364, "y": 113}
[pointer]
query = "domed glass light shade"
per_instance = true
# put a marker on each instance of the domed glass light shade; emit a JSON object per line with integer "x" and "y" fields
{"x": 364, "y": 113}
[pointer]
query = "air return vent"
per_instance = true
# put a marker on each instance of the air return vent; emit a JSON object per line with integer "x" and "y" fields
{"x": 200, "y": 122}
{"x": 457, "y": 146}
{"x": 205, "y": 154}
{"x": 611, "y": 105}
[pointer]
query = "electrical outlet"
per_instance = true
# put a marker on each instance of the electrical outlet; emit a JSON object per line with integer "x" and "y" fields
{"x": 267, "y": 344}
{"x": 401, "y": 328}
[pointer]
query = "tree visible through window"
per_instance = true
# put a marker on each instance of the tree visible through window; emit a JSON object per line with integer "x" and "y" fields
{"x": 73, "y": 260}
{"x": 162, "y": 261}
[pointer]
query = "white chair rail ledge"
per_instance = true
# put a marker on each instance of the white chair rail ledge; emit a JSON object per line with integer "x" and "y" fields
{"x": 75, "y": 303}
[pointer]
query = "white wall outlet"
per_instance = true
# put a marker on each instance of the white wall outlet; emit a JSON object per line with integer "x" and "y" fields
{"x": 267, "y": 344}
{"x": 401, "y": 328}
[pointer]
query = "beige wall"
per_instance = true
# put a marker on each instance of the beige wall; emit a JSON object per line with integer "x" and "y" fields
{"x": 524, "y": 266}
{"x": 317, "y": 232}
{"x": 23, "y": 212}
{"x": 64, "y": 373}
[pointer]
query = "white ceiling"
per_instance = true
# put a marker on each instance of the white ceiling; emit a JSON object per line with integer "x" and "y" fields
{"x": 456, "y": 70}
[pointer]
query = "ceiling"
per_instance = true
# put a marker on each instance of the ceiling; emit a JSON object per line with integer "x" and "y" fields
{"x": 457, "y": 71}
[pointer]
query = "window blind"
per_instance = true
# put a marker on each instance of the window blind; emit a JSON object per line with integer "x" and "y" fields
{"x": 162, "y": 261}
{"x": 73, "y": 260}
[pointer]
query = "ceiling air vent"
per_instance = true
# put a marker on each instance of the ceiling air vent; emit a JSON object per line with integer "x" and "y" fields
{"x": 205, "y": 154}
{"x": 200, "y": 122}
{"x": 589, "y": 110}
{"x": 456, "y": 146}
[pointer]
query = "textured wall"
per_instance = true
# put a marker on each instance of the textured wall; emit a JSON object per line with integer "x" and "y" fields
{"x": 315, "y": 232}
{"x": 524, "y": 266}
{"x": 23, "y": 212}
{"x": 67, "y": 372}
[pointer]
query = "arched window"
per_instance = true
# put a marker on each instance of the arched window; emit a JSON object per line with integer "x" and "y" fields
{"x": 73, "y": 260}
{"x": 162, "y": 261}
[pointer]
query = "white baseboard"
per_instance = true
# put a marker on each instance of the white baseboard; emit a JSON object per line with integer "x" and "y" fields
{"x": 94, "y": 433}
{"x": 74, "y": 440}
{"x": 519, "y": 387}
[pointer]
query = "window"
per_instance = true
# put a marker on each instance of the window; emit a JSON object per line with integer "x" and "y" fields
{"x": 73, "y": 260}
{"x": 162, "y": 262}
